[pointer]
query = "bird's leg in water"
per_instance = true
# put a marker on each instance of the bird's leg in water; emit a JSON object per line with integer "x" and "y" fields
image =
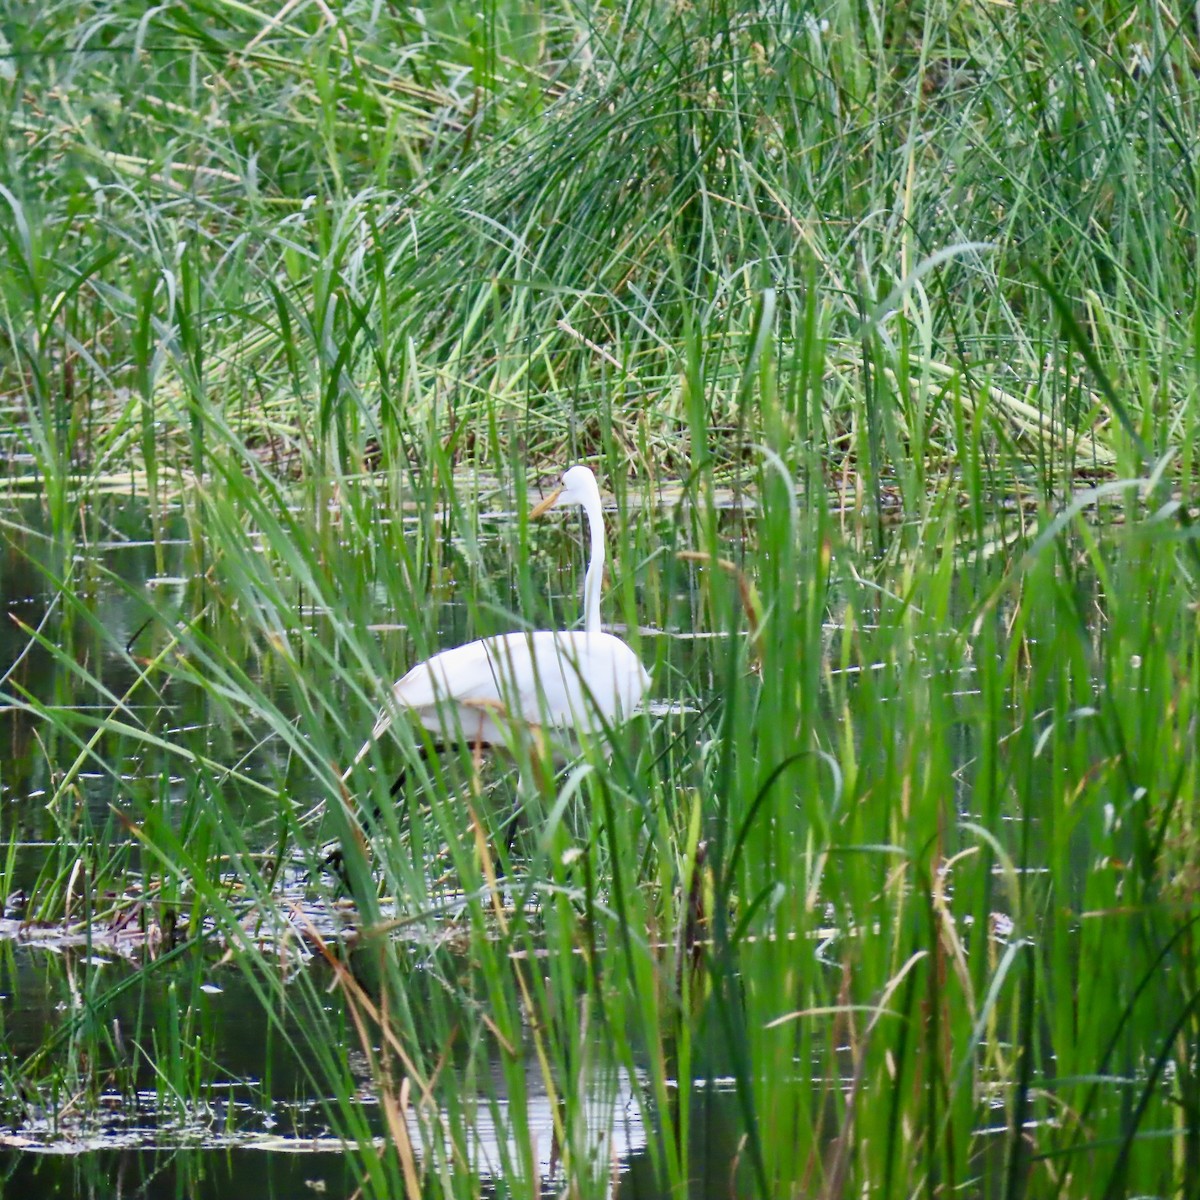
{"x": 334, "y": 859}
{"x": 401, "y": 779}
{"x": 514, "y": 823}
{"x": 424, "y": 750}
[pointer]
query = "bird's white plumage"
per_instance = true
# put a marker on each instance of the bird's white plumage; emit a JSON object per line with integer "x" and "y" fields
{"x": 473, "y": 693}
{"x": 478, "y": 693}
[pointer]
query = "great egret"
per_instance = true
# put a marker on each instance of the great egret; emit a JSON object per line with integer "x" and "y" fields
{"x": 481, "y": 693}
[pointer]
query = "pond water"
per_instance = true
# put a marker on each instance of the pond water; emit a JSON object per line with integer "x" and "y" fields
{"x": 269, "y": 1139}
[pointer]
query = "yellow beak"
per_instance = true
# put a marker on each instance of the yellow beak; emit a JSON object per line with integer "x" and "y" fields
{"x": 545, "y": 504}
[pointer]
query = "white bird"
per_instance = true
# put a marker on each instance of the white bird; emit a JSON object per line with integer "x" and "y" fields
{"x": 484, "y": 692}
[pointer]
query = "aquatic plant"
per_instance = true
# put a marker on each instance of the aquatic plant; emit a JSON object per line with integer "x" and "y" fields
{"x": 871, "y": 324}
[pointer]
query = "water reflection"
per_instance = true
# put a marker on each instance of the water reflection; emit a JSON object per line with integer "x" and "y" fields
{"x": 178, "y": 1174}
{"x": 272, "y": 1170}
{"x": 146, "y": 1141}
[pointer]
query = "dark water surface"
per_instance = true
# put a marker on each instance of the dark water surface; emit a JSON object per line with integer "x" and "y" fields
{"x": 256, "y": 1129}
{"x": 173, "y": 1174}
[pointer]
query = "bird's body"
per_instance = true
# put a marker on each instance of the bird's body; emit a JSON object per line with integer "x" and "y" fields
{"x": 483, "y": 692}
{"x": 474, "y": 693}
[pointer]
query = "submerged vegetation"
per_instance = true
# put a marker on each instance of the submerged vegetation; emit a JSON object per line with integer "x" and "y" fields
{"x": 879, "y": 325}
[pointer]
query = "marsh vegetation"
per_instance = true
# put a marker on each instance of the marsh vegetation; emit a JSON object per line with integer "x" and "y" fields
{"x": 879, "y": 326}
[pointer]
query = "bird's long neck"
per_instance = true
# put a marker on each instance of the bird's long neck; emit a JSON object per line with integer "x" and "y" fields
{"x": 594, "y": 579}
